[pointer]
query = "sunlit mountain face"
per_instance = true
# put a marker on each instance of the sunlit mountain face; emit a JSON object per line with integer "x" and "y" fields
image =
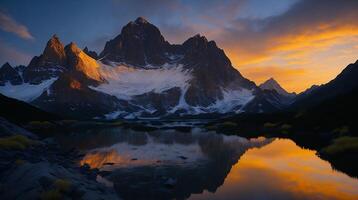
{"x": 179, "y": 99}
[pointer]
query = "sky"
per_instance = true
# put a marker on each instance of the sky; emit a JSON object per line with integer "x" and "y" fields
{"x": 297, "y": 42}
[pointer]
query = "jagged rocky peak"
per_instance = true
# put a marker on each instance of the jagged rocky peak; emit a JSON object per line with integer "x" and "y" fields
{"x": 140, "y": 43}
{"x": 200, "y": 46}
{"x": 9, "y": 74}
{"x": 141, "y": 20}
{"x": 272, "y": 84}
{"x": 196, "y": 40}
{"x": 50, "y": 64}
{"x": 93, "y": 54}
{"x": 54, "y": 52}
{"x": 72, "y": 48}
{"x": 207, "y": 59}
{"x": 80, "y": 62}
{"x": 6, "y": 66}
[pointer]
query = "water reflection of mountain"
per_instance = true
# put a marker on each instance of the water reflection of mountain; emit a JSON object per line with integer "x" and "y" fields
{"x": 165, "y": 164}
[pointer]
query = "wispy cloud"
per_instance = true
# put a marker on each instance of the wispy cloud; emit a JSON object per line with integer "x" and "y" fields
{"x": 8, "y": 24}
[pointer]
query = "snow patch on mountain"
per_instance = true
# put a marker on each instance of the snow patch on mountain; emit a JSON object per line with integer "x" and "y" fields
{"x": 124, "y": 82}
{"x": 26, "y": 91}
{"x": 232, "y": 99}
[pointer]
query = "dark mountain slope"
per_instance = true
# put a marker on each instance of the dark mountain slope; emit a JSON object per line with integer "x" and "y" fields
{"x": 344, "y": 83}
{"x": 20, "y": 112}
{"x": 9, "y": 74}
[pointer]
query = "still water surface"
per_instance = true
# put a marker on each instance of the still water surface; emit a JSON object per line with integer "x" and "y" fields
{"x": 167, "y": 164}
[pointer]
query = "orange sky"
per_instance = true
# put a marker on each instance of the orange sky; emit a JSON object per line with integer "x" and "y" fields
{"x": 301, "y": 60}
{"x": 311, "y": 42}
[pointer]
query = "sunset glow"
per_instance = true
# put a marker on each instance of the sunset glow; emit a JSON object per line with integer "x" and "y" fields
{"x": 297, "y": 42}
{"x": 179, "y": 99}
{"x": 287, "y": 167}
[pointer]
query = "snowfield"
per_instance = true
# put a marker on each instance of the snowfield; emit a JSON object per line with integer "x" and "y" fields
{"x": 125, "y": 82}
{"x": 232, "y": 99}
{"x": 26, "y": 92}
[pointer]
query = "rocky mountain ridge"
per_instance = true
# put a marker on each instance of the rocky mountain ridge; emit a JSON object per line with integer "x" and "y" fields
{"x": 140, "y": 74}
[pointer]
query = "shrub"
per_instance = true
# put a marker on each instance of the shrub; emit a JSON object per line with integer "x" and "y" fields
{"x": 62, "y": 185}
{"x": 15, "y": 142}
{"x": 40, "y": 124}
{"x": 68, "y": 122}
{"x": 52, "y": 194}
{"x": 286, "y": 126}
{"x": 228, "y": 124}
{"x": 19, "y": 162}
{"x": 117, "y": 123}
{"x": 342, "y": 145}
{"x": 300, "y": 114}
{"x": 211, "y": 127}
{"x": 270, "y": 125}
{"x": 342, "y": 130}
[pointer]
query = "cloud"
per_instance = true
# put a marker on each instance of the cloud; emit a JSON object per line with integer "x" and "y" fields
{"x": 8, "y": 24}
{"x": 307, "y": 25}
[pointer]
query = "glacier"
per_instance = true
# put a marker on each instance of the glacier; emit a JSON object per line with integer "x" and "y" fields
{"x": 26, "y": 92}
{"x": 124, "y": 81}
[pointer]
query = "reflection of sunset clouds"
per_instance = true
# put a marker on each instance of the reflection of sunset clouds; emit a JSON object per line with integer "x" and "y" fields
{"x": 127, "y": 155}
{"x": 177, "y": 149}
{"x": 283, "y": 166}
{"x": 98, "y": 159}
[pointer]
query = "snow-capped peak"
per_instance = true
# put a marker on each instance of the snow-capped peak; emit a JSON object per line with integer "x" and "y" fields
{"x": 272, "y": 84}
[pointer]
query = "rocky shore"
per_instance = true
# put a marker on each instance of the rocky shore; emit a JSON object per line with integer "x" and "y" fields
{"x": 33, "y": 168}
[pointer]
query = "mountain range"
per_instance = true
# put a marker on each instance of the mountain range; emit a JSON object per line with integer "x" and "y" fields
{"x": 141, "y": 75}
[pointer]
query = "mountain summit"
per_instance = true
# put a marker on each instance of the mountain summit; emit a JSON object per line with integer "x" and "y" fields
{"x": 272, "y": 84}
{"x": 9, "y": 74}
{"x": 140, "y": 43}
{"x": 48, "y": 65}
{"x": 54, "y": 53}
{"x": 80, "y": 62}
{"x": 139, "y": 74}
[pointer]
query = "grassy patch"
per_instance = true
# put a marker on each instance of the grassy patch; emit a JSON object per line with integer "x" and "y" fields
{"x": 40, "y": 124}
{"x": 62, "y": 185}
{"x": 342, "y": 145}
{"x": 52, "y": 194}
{"x": 16, "y": 142}
{"x": 19, "y": 162}
{"x": 342, "y": 130}
{"x": 59, "y": 188}
{"x": 211, "y": 127}
{"x": 300, "y": 114}
{"x": 286, "y": 126}
{"x": 270, "y": 125}
{"x": 228, "y": 124}
{"x": 117, "y": 123}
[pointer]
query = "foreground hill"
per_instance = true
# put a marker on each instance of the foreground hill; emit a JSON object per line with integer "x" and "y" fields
{"x": 344, "y": 83}
{"x": 19, "y": 112}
